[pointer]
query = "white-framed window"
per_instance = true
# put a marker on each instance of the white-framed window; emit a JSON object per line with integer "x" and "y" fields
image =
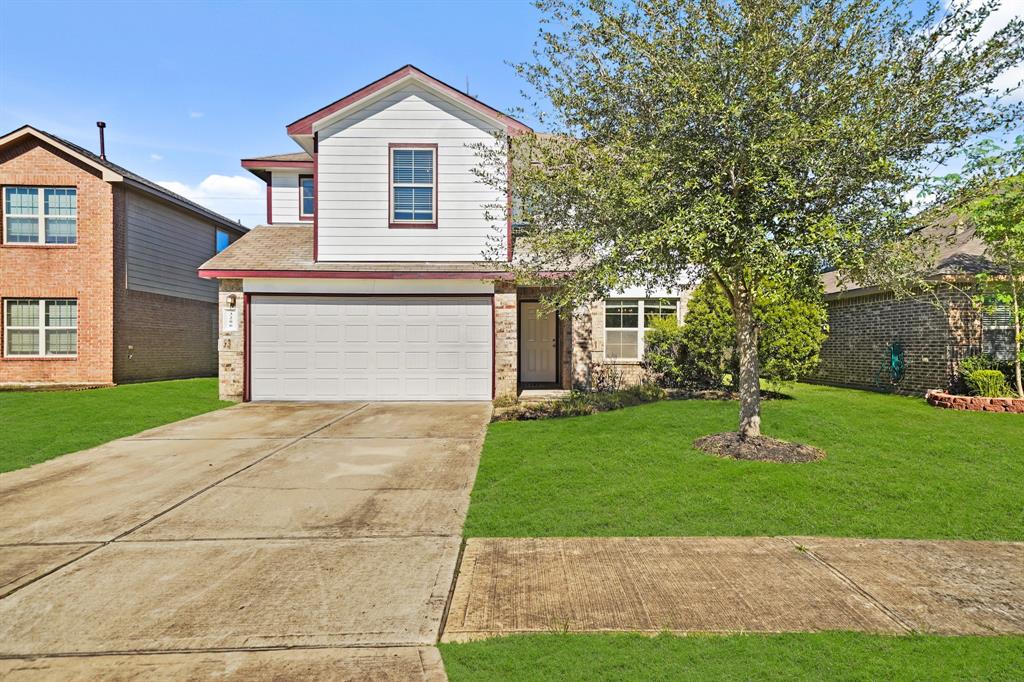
{"x": 627, "y": 319}
{"x": 40, "y": 215}
{"x": 997, "y": 331}
{"x": 413, "y": 186}
{"x": 305, "y": 196}
{"x": 40, "y": 327}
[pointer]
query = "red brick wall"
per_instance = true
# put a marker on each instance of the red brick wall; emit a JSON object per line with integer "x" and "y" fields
{"x": 81, "y": 271}
{"x": 936, "y": 332}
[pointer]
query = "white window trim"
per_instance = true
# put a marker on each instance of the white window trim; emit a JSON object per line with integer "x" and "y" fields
{"x": 641, "y": 329}
{"x": 302, "y": 197}
{"x": 41, "y": 327}
{"x": 392, "y": 185}
{"x": 40, "y": 215}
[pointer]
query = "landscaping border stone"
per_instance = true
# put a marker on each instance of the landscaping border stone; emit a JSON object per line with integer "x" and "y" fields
{"x": 974, "y": 403}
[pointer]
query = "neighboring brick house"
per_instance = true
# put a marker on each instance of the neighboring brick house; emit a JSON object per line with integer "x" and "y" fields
{"x": 931, "y": 332}
{"x": 379, "y": 275}
{"x": 98, "y": 280}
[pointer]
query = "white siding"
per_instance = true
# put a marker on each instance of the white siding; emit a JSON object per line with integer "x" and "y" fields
{"x": 284, "y": 197}
{"x": 164, "y": 247}
{"x": 353, "y": 184}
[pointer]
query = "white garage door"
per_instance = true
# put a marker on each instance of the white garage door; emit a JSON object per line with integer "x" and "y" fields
{"x": 370, "y": 348}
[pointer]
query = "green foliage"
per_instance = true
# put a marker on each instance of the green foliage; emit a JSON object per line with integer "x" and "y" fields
{"x": 973, "y": 363}
{"x": 741, "y": 141}
{"x": 581, "y": 403}
{"x": 990, "y": 383}
{"x": 701, "y": 353}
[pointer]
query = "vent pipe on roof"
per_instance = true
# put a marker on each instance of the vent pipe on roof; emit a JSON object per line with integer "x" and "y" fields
{"x": 103, "y": 148}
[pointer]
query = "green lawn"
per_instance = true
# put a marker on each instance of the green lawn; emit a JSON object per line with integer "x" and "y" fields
{"x": 38, "y": 426}
{"x": 821, "y": 656}
{"x": 896, "y": 467}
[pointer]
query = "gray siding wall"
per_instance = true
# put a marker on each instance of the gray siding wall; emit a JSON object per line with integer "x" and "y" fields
{"x": 165, "y": 245}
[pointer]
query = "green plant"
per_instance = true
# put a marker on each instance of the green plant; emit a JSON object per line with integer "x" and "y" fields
{"x": 664, "y": 353}
{"x": 790, "y": 329}
{"x": 581, "y": 403}
{"x": 990, "y": 383}
{"x": 741, "y": 142}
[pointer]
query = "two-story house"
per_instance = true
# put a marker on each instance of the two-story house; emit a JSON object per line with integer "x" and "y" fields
{"x": 379, "y": 275}
{"x": 98, "y": 281}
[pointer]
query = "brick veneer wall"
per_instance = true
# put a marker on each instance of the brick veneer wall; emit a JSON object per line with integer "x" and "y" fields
{"x": 506, "y": 332}
{"x": 231, "y": 345}
{"x": 81, "y": 271}
{"x": 935, "y": 332}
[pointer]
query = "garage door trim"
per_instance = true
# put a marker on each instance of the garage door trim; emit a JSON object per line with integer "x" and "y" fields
{"x": 247, "y": 324}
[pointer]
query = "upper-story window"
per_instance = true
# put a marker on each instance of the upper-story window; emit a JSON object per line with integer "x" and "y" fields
{"x": 40, "y": 215}
{"x": 626, "y": 320}
{"x": 305, "y": 196}
{"x": 413, "y": 186}
{"x": 223, "y": 240}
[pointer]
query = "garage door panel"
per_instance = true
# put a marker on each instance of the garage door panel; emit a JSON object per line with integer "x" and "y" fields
{"x": 370, "y": 348}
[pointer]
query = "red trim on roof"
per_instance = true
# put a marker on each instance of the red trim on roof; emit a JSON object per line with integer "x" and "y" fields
{"x": 316, "y": 198}
{"x": 353, "y": 274}
{"x": 304, "y": 126}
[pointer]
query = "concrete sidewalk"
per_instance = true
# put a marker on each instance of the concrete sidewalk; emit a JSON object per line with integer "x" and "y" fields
{"x": 769, "y": 585}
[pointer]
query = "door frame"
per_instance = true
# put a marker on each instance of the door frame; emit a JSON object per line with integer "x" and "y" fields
{"x": 557, "y": 383}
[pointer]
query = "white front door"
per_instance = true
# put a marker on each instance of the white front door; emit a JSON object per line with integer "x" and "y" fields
{"x": 538, "y": 345}
{"x": 370, "y": 348}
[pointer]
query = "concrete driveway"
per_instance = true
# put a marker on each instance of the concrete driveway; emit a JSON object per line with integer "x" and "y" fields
{"x": 259, "y": 542}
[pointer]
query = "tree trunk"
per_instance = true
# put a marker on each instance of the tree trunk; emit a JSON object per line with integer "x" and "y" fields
{"x": 749, "y": 374}
{"x": 1017, "y": 341}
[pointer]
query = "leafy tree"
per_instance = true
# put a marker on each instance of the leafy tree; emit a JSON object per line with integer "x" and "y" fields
{"x": 738, "y": 141}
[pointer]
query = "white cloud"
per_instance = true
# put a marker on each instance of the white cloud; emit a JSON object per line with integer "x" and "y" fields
{"x": 234, "y": 196}
{"x": 156, "y": 157}
{"x": 195, "y": 114}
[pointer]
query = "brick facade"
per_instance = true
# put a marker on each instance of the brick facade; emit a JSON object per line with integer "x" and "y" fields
{"x": 81, "y": 271}
{"x": 124, "y": 335}
{"x": 935, "y": 331}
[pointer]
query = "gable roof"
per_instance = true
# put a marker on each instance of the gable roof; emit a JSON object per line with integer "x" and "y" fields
{"x": 304, "y": 125}
{"x": 111, "y": 172}
{"x": 959, "y": 252}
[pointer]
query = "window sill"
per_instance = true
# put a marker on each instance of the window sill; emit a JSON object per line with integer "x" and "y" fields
{"x": 39, "y": 246}
{"x": 413, "y": 226}
{"x": 37, "y": 358}
{"x": 621, "y": 361}
{"x": 305, "y": 218}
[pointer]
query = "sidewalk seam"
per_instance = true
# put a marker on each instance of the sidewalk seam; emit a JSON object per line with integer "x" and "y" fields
{"x": 890, "y": 613}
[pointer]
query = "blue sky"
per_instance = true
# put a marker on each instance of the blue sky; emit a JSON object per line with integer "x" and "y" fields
{"x": 188, "y": 88}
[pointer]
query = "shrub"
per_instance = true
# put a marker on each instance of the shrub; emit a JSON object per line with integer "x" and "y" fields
{"x": 975, "y": 363}
{"x": 580, "y": 403}
{"x": 990, "y": 383}
{"x": 701, "y": 353}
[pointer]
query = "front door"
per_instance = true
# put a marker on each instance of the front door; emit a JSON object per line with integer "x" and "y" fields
{"x": 538, "y": 345}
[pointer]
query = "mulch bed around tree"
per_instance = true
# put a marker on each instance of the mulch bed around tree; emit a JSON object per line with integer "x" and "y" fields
{"x": 761, "y": 448}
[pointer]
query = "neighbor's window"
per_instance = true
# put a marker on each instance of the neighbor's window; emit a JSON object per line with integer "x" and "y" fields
{"x": 305, "y": 196}
{"x": 413, "y": 186}
{"x": 40, "y": 215}
{"x": 41, "y": 327}
{"x": 997, "y": 331}
{"x": 223, "y": 240}
{"x": 623, "y": 333}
